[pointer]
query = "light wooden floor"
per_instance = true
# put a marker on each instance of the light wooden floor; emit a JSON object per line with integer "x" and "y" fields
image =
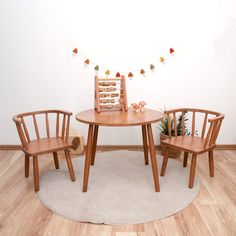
{"x": 213, "y": 212}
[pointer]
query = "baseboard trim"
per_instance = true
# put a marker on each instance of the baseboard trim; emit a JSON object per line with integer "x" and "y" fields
{"x": 218, "y": 147}
{"x": 226, "y": 147}
{"x": 158, "y": 147}
{"x": 10, "y": 147}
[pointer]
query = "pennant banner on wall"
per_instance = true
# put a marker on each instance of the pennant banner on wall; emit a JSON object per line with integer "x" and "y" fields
{"x": 130, "y": 74}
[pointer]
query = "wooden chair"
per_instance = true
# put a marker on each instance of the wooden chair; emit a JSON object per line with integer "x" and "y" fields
{"x": 53, "y": 142}
{"x": 191, "y": 143}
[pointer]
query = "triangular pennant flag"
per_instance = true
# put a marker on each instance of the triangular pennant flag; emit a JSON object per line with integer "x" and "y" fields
{"x": 142, "y": 71}
{"x": 162, "y": 59}
{"x": 86, "y": 61}
{"x": 130, "y": 75}
{"x": 172, "y": 50}
{"x": 75, "y": 50}
{"x": 107, "y": 72}
{"x": 152, "y": 67}
{"x": 96, "y": 68}
{"x": 117, "y": 74}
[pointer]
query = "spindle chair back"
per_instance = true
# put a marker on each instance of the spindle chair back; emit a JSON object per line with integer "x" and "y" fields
{"x": 53, "y": 139}
{"x": 192, "y": 142}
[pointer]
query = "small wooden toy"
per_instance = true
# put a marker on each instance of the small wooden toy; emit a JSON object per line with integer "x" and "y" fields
{"x": 110, "y": 94}
{"x": 135, "y": 107}
{"x": 138, "y": 107}
{"x": 142, "y": 104}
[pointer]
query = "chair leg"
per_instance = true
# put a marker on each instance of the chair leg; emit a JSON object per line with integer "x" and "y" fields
{"x": 211, "y": 163}
{"x": 185, "y": 159}
{"x": 70, "y": 166}
{"x": 36, "y": 173}
{"x": 192, "y": 171}
{"x": 27, "y": 164}
{"x": 165, "y": 160}
{"x": 56, "y": 162}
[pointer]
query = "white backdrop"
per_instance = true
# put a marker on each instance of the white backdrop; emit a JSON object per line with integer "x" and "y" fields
{"x": 38, "y": 70}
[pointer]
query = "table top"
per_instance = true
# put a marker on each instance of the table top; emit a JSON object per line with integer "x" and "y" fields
{"x": 119, "y": 118}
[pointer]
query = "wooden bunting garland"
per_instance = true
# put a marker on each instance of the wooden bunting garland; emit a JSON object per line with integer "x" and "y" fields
{"x": 118, "y": 74}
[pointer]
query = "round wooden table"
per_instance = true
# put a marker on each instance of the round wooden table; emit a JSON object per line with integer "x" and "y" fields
{"x": 119, "y": 118}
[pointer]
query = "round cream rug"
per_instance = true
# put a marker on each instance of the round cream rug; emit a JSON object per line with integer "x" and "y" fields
{"x": 120, "y": 190}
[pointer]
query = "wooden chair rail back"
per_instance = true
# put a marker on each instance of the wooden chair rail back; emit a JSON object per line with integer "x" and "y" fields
{"x": 62, "y": 132}
{"x": 211, "y": 133}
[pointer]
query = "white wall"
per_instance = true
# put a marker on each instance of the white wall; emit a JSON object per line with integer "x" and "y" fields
{"x": 38, "y": 70}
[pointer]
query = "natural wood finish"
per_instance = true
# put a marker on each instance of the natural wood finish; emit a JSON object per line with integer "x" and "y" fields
{"x": 211, "y": 163}
{"x": 192, "y": 170}
{"x": 153, "y": 158}
{"x": 56, "y": 162}
{"x": 213, "y": 209}
{"x": 108, "y": 147}
{"x": 119, "y": 118}
{"x": 27, "y": 165}
{"x": 88, "y": 158}
{"x": 94, "y": 145}
{"x": 25, "y": 130}
{"x": 193, "y": 124}
{"x": 63, "y": 127}
{"x": 193, "y": 144}
{"x": 169, "y": 126}
{"x": 204, "y": 125}
{"x": 69, "y": 165}
{"x": 110, "y": 87}
{"x": 36, "y": 127}
{"x": 47, "y": 125}
{"x": 165, "y": 160}
{"x": 183, "y": 129}
{"x": 36, "y": 173}
{"x": 57, "y": 125}
{"x": 185, "y": 162}
{"x": 41, "y": 146}
{"x": 123, "y": 93}
{"x": 67, "y": 128}
{"x": 175, "y": 125}
{"x": 145, "y": 144}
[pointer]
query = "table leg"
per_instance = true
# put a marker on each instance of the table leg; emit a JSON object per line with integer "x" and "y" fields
{"x": 95, "y": 137}
{"x": 88, "y": 158}
{"x": 145, "y": 145}
{"x": 153, "y": 158}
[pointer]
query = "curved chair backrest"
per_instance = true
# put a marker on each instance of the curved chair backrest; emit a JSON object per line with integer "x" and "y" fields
{"x": 23, "y": 132}
{"x": 214, "y": 123}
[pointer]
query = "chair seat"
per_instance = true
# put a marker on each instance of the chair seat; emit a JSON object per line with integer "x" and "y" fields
{"x": 188, "y": 143}
{"x": 45, "y": 145}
